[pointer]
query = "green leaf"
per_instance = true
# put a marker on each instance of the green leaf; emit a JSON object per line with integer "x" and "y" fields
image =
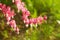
{"x": 58, "y": 35}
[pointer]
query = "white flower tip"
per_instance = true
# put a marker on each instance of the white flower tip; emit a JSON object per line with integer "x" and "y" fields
{"x": 7, "y": 23}
{"x": 36, "y": 25}
{"x": 31, "y": 25}
{"x": 13, "y": 1}
{"x": 0, "y": 9}
{"x": 27, "y": 25}
{"x": 18, "y": 11}
{"x": 58, "y": 21}
{"x": 17, "y": 32}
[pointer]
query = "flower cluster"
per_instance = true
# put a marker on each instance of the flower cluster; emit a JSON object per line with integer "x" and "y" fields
{"x": 38, "y": 20}
{"x": 25, "y": 13}
{"x": 13, "y": 25}
{"x": 9, "y": 14}
{"x": 19, "y": 4}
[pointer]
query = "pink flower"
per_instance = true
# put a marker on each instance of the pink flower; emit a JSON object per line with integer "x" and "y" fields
{"x": 4, "y": 9}
{"x": 35, "y": 21}
{"x": 17, "y": 30}
{"x": 45, "y": 17}
{"x": 27, "y": 21}
{"x": 8, "y": 13}
{"x": 25, "y": 14}
{"x": 13, "y": 25}
{"x": 31, "y": 21}
{"x": 0, "y": 5}
{"x": 18, "y": 4}
{"x": 40, "y": 19}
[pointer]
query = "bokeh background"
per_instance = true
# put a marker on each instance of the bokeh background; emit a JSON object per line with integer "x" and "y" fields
{"x": 46, "y": 31}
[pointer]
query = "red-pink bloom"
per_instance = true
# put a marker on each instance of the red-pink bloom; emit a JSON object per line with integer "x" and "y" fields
{"x": 0, "y": 6}
{"x": 4, "y": 9}
{"x": 7, "y": 11}
{"x": 13, "y": 25}
{"x": 45, "y": 17}
{"x": 27, "y": 21}
{"x": 40, "y": 19}
{"x": 9, "y": 14}
{"x": 31, "y": 21}
{"x": 18, "y": 4}
{"x": 17, "y": 30}
{"x": 35, "y": 21}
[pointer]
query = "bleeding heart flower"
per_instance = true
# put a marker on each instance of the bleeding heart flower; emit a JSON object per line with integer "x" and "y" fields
{"x": 45, "y": 17}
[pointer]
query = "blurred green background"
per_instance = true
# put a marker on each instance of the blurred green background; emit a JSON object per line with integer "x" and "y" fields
{"x": 46, "y": 31}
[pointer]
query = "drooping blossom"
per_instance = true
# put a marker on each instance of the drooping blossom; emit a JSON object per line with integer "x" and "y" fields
{"x": 25, "y": 14}
{"x": 9, "y": 14}
{"x": 40, "y": 19}
{"x": 18, "y": 4}
{"x": 12, "y": 23}
{"x": 45, "y": 17}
